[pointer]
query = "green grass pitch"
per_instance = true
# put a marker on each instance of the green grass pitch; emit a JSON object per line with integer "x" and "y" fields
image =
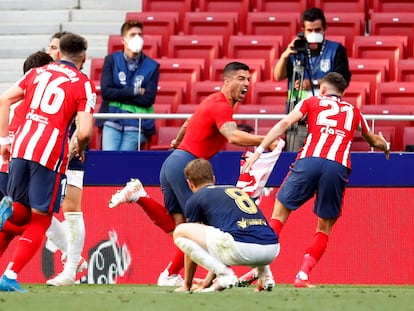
{"x": 150, "y": 297}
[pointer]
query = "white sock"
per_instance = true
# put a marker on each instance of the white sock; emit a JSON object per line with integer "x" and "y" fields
{"x": 57, "y": 235}
{"x": 201, "y": 257}
{"x": 9, "y": 273}
{"x": 263, "y": 271}
{"x": 76, "y": 239}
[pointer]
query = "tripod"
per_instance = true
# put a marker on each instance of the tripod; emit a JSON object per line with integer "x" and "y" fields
{"x": 296, "y": 135}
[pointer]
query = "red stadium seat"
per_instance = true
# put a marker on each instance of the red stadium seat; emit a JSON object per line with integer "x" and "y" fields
{"x": 260, "y": 109}
{"x": 369, "y": 70}
{"x": 359, "y": 144}
{"x": 270, "y": 93}
{"x": 186, "y": 109}
{"x": 211, "y": 23}
{"x": 257, "y": 68}
{"x": 408, "y": 138}
{"x": 346, "y": 24}
{"x": 394, "y": 24}
{"x": 339, "y": 39}
{"x": 96, "y": 141}
{"x": 196, "y": 46}
{"x": 240, "y": 7}
{"x": 96, "y": 70}
{"x": 383, "y": 47}
{"x": 181, "y": 69}
{"x": 399, "y": 125}
{"x": 395, "y": 93}
{"x": 189, "y": 108}
{"x": 352, "y": 6}
{"x": 151, "y": 47}
{"x": 256, "y": 46}
{"x": 265, "y": 23}
{"x": 163, "y": 24}
{"x": 175, "y": 6}
{"x": 280, "y": 6}
{"x": 172, "y": 93}
{"x": 357, "y": 93}
{"x": 392, "y": 5}
{"x": 165, "y": 135}
{"x": 158, "y": 108}
{"x": 202, "y": 89}
{"x": 405, "y": 70}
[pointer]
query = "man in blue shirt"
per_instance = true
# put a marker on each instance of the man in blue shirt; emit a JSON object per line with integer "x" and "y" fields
{"x": 224, "y": 228}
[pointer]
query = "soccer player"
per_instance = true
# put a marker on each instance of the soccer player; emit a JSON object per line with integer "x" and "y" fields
{"x": 36, "y": 59}
{"x": 53, "y": 95}
{"x": 322, "y": 165}
{"x": 69, "y": 238}
{"x": 224, "y": 228}
{"x": 206, "y": 132}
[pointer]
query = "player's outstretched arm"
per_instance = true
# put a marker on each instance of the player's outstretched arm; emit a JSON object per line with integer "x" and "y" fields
{"x": 378, "y": 141}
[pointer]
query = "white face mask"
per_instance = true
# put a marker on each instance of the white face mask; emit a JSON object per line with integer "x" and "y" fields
{"x": 314, "y": 37}
{"x": 136, "y": 44}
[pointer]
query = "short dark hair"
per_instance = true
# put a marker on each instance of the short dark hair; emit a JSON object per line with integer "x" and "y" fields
{"x": 59, "y": 34}
{"x": 73, "y": 45}
{"x": 131, "y": 23}
{"x": 313, "y": 14}
{"x": 234, "y": 66}
{"x": 36, "y": 59}
{"x": 199, "y": 171}
{"x": 336, "y": 80}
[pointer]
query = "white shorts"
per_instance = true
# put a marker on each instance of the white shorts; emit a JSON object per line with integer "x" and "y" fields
{"x": 221, "y": 245}
{"x": 75, "y": 178}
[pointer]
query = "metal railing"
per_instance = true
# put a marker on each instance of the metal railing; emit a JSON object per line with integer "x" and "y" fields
{"x": 256, "y": 117}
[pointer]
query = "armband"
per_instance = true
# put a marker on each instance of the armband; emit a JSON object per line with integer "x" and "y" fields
{"x": 5, "y": 140}
{"x": 259, "y": 150}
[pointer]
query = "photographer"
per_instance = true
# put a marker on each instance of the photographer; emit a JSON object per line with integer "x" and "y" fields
{"x": 317, "y": 55}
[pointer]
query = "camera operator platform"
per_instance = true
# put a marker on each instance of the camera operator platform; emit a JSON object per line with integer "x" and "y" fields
{"x": 305, "y": 62}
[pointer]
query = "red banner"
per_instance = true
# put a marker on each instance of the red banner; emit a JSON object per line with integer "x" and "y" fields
{"x": 372, "y": 243}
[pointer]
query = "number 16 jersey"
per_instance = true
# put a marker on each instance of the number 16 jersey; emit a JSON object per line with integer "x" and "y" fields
{"x": 54, "y": 94}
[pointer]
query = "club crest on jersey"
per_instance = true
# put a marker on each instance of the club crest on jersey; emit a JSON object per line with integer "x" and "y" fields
{"x": 122, "y": 77}
{"x": 325, "y": 65}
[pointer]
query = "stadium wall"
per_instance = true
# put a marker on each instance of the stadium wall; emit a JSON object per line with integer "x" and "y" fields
{"x": 373, "y": 243}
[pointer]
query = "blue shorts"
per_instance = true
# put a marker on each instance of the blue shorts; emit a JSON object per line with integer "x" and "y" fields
{"x": 35, "y": 185}
{"x": 309, "y": 176}
{"x": 76, "y": 165}
{"x": 174, "y": 185}
{"x": 3, "y": 184}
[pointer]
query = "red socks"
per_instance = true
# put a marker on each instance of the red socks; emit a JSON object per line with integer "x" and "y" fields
{"x": 157, "y": 213}
{"x": 30, "y": 241}
{"x": 276, "y": 225}
{"x": 177, "y": 263}
{"x": 5, "y": 239}
{"x": 21, "y": 214}
{"x": 318, "y": 245}
{"x": 314, "y": 252}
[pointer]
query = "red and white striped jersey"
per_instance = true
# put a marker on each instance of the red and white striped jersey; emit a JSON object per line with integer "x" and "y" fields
{"x": 331, "y": 126}
{"x": 54, "y": 94}
{"x": 13, "y": 125}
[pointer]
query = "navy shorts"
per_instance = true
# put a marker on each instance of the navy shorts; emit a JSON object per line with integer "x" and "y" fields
{"x": 76, "y": 165}
{"x": 3, "y": 184}
{"x": 309, "y": 176}
{"x": 35, "y": 185}
{"x": 174, "y": 185}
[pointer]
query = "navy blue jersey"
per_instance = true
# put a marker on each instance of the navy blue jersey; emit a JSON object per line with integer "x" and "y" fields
{"x": 231, "y": 210}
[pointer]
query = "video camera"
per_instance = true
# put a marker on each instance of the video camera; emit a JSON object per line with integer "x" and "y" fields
{"x": 300, "y": 45}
